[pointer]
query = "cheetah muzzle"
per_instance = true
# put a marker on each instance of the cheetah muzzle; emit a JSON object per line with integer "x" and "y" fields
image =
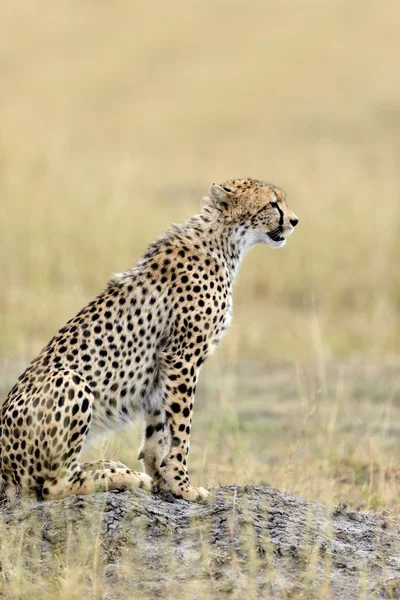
{"x": 138, "y": 347}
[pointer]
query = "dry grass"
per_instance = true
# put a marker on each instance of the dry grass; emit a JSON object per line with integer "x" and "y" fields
{"x": 116, "y": 117}
{"x": 114, "y": 122}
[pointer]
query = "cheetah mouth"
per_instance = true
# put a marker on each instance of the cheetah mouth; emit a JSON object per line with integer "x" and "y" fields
{"x": 276, "y": 235}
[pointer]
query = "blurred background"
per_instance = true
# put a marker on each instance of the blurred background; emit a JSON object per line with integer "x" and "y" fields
{"x": 116, "y": 118}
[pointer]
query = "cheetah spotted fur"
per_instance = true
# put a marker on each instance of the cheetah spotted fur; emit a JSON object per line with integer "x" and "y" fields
{"x": 138, "y": 348}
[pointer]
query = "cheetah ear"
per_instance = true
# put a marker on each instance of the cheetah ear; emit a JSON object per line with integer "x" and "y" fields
{"x": 221, "y": 193}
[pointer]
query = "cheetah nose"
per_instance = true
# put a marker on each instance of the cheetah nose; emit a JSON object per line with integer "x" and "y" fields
{"x": 294, "y": 222}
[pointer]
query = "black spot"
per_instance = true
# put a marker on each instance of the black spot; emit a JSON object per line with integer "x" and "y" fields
{"x": 149, "y": 431}
{"x": 175, "y": 407}
{"x": 182, "y": 388}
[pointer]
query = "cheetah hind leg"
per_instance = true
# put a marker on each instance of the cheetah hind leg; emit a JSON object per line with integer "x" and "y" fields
{"x": 69, "y": 476}
{"x": 78, "y": 481}
{"x": 102, "y": 464}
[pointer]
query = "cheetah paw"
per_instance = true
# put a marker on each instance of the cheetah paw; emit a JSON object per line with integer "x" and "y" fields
{"x": 193, "y": 494}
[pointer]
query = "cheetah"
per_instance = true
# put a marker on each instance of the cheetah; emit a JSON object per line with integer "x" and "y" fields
{"x": 138, "y": 347}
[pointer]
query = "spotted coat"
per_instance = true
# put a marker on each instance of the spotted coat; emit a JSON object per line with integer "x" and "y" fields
{"x": 138, "y": 348}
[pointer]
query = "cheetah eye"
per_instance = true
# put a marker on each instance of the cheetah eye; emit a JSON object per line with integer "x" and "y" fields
{"x": 275, "y": 205}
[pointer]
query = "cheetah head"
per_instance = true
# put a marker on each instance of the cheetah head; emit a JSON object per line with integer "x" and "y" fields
{"x": 256, "y": 211}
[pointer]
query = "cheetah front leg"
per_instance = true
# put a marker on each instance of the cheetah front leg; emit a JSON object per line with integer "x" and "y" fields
{"x": 179, "y": 386}
{"x": 155, "y": 442}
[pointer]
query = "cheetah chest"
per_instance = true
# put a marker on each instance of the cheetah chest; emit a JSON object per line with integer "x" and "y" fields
{"x": 228, "y": 317}
{"x": 224, "y": 325}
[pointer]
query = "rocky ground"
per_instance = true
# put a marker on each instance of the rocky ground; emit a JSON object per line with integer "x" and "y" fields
{"x": 248, "y": 542}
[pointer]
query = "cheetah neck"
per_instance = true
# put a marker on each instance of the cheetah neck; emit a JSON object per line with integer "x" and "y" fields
{"x": 227, "y": 244}
{"x": 207, "y": 236}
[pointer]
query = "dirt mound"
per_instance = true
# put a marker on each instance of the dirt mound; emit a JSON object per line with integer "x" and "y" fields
{"x": 251, "y": 541}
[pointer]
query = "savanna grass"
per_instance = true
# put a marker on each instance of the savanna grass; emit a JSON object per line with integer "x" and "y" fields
{"x": 114, "y": 123}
